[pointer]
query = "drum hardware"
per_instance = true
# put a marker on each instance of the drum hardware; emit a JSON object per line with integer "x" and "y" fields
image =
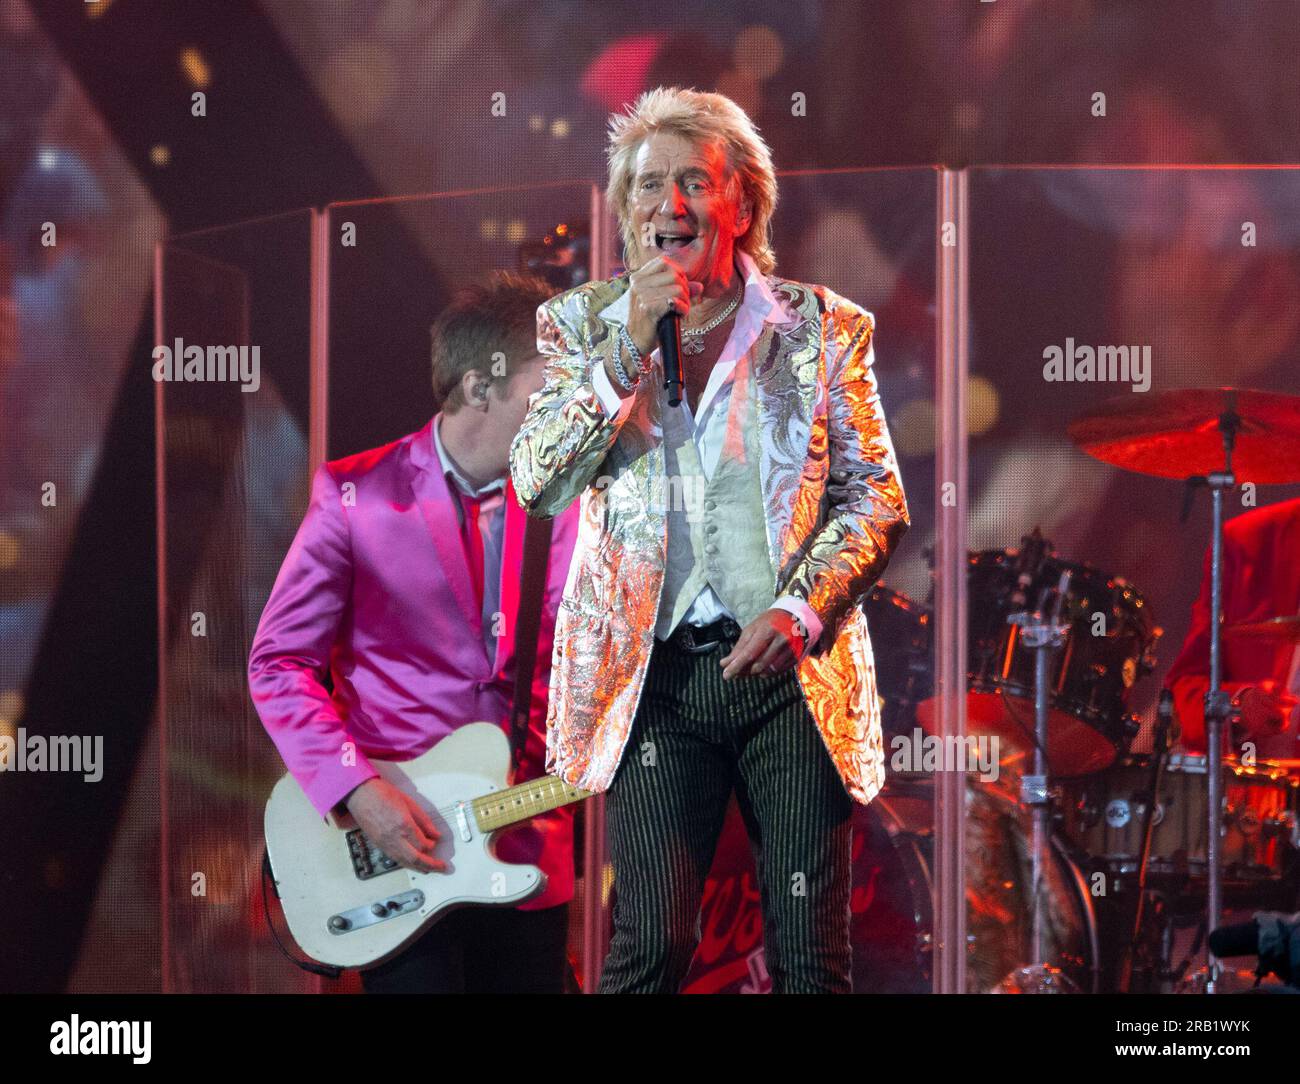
{"x": 1105, "y": 817}
{"x": 1173, "y": 435}
{"x": 893, "y": 939}
{"x": 1184, "y": 978}
{"x": 1088, "y": 685}
{"x": 1127, "y": 729}
{"x": 1144, "y": 967}
{"x": 1257, "y": 825}
{"x": 1044, "y": 636}
{"x": 1137, "y": 822}
{"x": 1218, "y": 705}
{"x": 1111, "y": 646}
{"x": 1150, "y": 812}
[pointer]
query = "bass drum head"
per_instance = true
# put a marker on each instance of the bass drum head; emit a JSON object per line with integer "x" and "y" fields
{"x": 893, "y": 883}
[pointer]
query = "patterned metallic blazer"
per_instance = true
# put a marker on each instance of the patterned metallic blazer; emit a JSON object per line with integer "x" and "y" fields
{"x": 835, "y": 511}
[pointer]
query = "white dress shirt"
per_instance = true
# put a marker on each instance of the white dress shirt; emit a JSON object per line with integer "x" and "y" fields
{"x": 708, "y": 423}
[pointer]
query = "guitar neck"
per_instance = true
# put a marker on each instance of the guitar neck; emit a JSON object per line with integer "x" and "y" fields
{"x": 518, "y": 803}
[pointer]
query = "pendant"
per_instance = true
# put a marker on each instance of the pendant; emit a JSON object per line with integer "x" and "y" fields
{"x": 692, "y": 344}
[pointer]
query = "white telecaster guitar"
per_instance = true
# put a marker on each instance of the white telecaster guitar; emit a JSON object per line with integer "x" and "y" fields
{"x": 349, "y": 905}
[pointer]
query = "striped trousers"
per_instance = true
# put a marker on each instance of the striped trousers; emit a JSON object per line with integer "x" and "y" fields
{"x": 694, "y": 740}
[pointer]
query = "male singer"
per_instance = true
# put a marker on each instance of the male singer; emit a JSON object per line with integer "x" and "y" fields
{"x": 403, "y": 585}
{"x": 710, "y": 636}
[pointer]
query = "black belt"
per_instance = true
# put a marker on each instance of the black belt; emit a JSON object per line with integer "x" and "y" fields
{"x": 701, "y": 639}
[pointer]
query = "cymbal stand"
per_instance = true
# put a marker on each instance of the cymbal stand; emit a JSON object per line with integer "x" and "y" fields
{"x": 1218, "y": 705}
{"x": 1044, "y": 635}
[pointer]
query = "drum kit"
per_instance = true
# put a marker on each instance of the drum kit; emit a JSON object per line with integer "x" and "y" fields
{"x": 1109, "y": 852}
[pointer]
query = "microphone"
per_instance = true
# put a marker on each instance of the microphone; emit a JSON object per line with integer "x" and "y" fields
{"x": 669, "y": 332}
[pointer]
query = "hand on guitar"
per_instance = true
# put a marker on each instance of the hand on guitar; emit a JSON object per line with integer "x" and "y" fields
{"x": 395, "y": 823}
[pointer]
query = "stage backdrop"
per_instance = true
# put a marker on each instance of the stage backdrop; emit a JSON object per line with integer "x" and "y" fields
{"x": 1196, "y": 270}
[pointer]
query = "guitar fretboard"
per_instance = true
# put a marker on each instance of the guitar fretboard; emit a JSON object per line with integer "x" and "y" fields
{"x": 518, "y": 803}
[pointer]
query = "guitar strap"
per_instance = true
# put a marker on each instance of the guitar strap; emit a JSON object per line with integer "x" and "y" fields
{"x": 528, "y": 621}
{"x": 268, "y": 876}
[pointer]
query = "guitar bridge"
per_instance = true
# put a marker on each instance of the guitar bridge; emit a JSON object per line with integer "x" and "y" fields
{"x": 367, "y": 860}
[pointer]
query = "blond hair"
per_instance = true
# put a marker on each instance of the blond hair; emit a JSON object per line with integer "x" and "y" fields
{"x": 702, "y": 118}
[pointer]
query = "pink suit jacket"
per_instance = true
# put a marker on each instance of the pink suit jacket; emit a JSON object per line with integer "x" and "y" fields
{"x": 376, "y": 591}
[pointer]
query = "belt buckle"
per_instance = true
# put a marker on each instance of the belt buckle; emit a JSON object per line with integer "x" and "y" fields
{"x": 726, "y": 628}
{"x": 691, "y": 646}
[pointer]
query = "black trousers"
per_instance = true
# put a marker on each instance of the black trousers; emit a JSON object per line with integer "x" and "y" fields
{"x": 695, "y": 738}
{"x": 480, "y": 950}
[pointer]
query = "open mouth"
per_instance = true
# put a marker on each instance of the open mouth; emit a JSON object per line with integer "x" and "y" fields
{"x": 673, "y": 242}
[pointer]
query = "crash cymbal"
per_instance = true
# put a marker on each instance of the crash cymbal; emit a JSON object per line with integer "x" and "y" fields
{"x": 1280, "y": 629}
{"x": 1175, "y": 434}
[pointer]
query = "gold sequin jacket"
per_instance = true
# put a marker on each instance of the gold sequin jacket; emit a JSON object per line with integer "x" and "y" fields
{"x": 835, "y": 510}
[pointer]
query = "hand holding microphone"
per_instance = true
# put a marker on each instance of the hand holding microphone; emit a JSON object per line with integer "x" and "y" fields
{"x": 659, "y": 289}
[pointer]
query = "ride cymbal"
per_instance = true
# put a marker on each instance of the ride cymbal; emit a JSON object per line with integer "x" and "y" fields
{"x": 1176, "y": 434}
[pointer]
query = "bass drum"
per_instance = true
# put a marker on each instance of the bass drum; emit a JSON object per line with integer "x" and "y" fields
{"x": 893, "y": 894}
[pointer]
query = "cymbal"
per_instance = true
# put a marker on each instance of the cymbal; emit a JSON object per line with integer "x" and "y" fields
{"x": 1282, "y": 629}
{"x": 1175, "y": 434}
{"x": 1285, "y": 764}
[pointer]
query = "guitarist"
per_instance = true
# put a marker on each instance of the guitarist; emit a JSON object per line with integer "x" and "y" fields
{"x": 403, "y": 585}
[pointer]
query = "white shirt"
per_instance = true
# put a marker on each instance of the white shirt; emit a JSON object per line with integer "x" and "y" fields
{"x": 708, "y": 423}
